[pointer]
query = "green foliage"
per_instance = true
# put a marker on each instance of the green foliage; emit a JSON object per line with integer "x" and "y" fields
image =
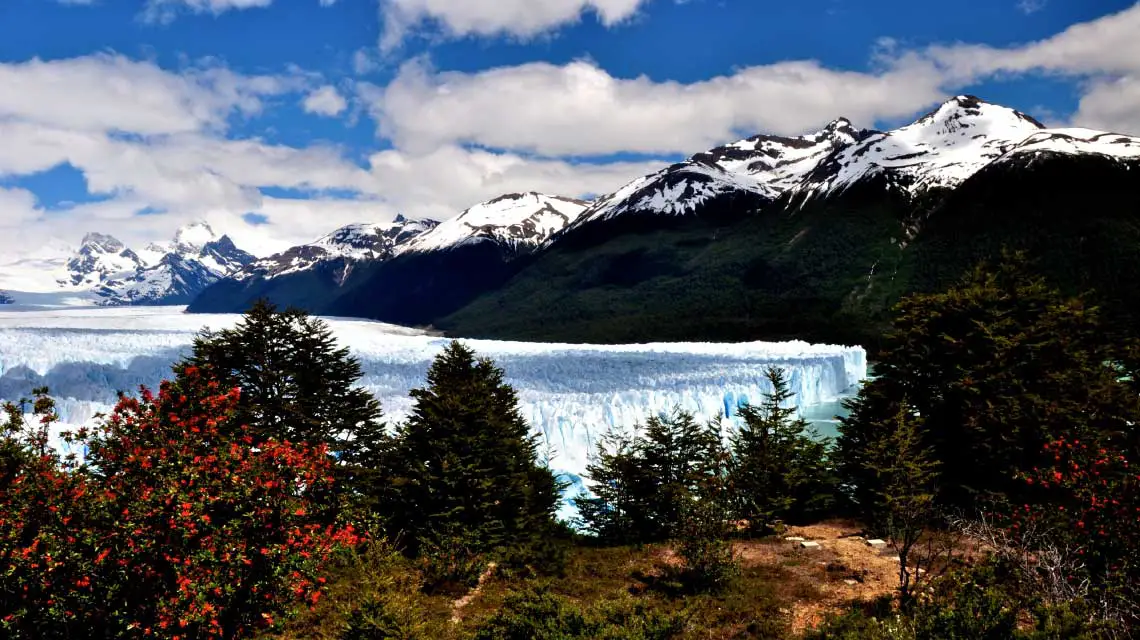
{"x": 642, "y": 483}
{"x": 296, "y": 384}
{"x": 538, "y": 614}
{"x": 710, "y": 565}
{"x": 779, "y": 467}
{"x": 997, "y": 366}
{"x": 451, "y": 563}
{"x": 464, "y": 461}
{"x": 903, "y": 478}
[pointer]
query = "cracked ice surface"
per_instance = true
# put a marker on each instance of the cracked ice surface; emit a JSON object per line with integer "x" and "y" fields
{"x": 569, "y": 393}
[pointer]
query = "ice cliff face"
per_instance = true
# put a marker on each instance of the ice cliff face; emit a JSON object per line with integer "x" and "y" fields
{"x": 569, "y": 393}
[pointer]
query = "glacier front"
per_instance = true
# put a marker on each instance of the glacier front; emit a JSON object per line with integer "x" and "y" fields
{"x": 569, "y": 393}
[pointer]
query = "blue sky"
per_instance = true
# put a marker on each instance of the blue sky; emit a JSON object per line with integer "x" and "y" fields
{"x": 279, "y": 120}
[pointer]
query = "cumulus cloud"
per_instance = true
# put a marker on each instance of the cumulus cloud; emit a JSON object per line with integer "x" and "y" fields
{"x": 17, "y": 206}
{"x": 580, "y": 109}
{"x": 325, "y": 101}
{"x": 519, "y": 18}
{"x": 113, "y": 93}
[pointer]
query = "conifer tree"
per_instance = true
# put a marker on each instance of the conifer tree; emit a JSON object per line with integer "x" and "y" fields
{"x": 296, "y": 383}
{"x": 643, "y": 483}
{"x": 902, "y": 474}
{"x": 465, "y": 462}
{"x": 780, "y": 467}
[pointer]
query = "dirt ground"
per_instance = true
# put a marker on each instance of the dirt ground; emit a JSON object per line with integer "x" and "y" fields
{"x": 842, "y": 569}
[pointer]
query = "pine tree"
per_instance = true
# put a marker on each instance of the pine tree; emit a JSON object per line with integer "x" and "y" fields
{"x": 780, "y": 467}
{"x": 902, "y": 474}
{"x": 618, "y": 510}
{"x": 296, "y": 383}
{"x": 643, "y": 483}
{"x": 465, "y": 465}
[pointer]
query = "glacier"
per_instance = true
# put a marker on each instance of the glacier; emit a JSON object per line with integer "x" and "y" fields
{"x": 569, "y": 393}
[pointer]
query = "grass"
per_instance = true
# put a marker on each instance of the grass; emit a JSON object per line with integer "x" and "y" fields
{"x": 596, "y": 580}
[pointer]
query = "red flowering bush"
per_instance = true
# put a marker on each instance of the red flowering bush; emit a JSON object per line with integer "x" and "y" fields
{"x": 176, "y": 526}
{"x": 1090, "y": 506}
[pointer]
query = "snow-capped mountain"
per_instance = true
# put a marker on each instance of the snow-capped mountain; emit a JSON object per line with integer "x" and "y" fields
{"x": 1076, "y": 142}
{"x": 100, "y": 258}
{"x": 940, "y": 149}
{"x": 341, "y": 249}
{"x": 104, "y": 271}
{"x": 764, "y": 166}
{"x": 195, "y": 259}
{"x": 516, "y": 222}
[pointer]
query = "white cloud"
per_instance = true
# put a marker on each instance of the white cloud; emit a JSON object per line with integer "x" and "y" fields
{"x": 520, "y": 18}
{"x": 1030, "y": 7}
{"x": 164, "y": 11}
{"x": 110, "y": 92}
{"x": 580, "y": 109}
{"x": 325, "y": 101}
{"x": 449, "y": 179}
{"x": 17, "y": 206}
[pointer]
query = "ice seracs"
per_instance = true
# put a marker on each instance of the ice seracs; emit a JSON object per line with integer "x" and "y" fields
{"x": 570, "y": 394}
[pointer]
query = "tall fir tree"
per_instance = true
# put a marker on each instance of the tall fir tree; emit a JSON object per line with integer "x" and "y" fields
{"x": 643, "y": 483}
{"x": 297, "y": 385}
{"x": 902, "y": 474}
{"x": 465, "y": 463}
{"x": 779, "y": 465}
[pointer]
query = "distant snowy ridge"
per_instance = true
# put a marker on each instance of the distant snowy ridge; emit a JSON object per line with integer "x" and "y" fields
{"x": 344, "y": 247}
{"x": 570, "y": 394}
{"x": 103, "y": 271}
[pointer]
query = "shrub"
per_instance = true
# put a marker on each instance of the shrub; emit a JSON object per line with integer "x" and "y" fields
{"x": 175, "y": 527}
{"x": 538, "y": 614}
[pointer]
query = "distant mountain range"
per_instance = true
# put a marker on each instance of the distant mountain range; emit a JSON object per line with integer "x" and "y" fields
{"x": 106, "y": 272}
{"x": 770, "y": 237}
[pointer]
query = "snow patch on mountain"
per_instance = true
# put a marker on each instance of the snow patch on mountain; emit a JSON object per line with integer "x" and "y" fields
{"x": 518, "y": 222}
{"x": 1077, "y": 141}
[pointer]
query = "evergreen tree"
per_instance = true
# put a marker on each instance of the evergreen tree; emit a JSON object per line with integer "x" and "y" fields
{"x": 902, "y": 474}
{"x": 296, "y": 383}
{"x": 997, "y": 366}
{"x": 618, "y": 510}
{"x": 465, "y": 465}
{"x": 780, "y": 468}
{"x": 643, "y": 483}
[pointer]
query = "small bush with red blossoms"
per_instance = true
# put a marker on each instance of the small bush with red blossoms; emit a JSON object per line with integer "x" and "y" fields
{"x": 1089, "y": 511}
{"x": 175, "y": 525}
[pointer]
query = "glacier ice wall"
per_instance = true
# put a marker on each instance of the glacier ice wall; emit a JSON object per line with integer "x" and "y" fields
{"x": 569, "y": 393}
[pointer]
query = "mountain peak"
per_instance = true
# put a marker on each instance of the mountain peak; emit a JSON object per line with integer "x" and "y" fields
{"x": 399, "y": 219}
{"x": 103, "y": 242}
